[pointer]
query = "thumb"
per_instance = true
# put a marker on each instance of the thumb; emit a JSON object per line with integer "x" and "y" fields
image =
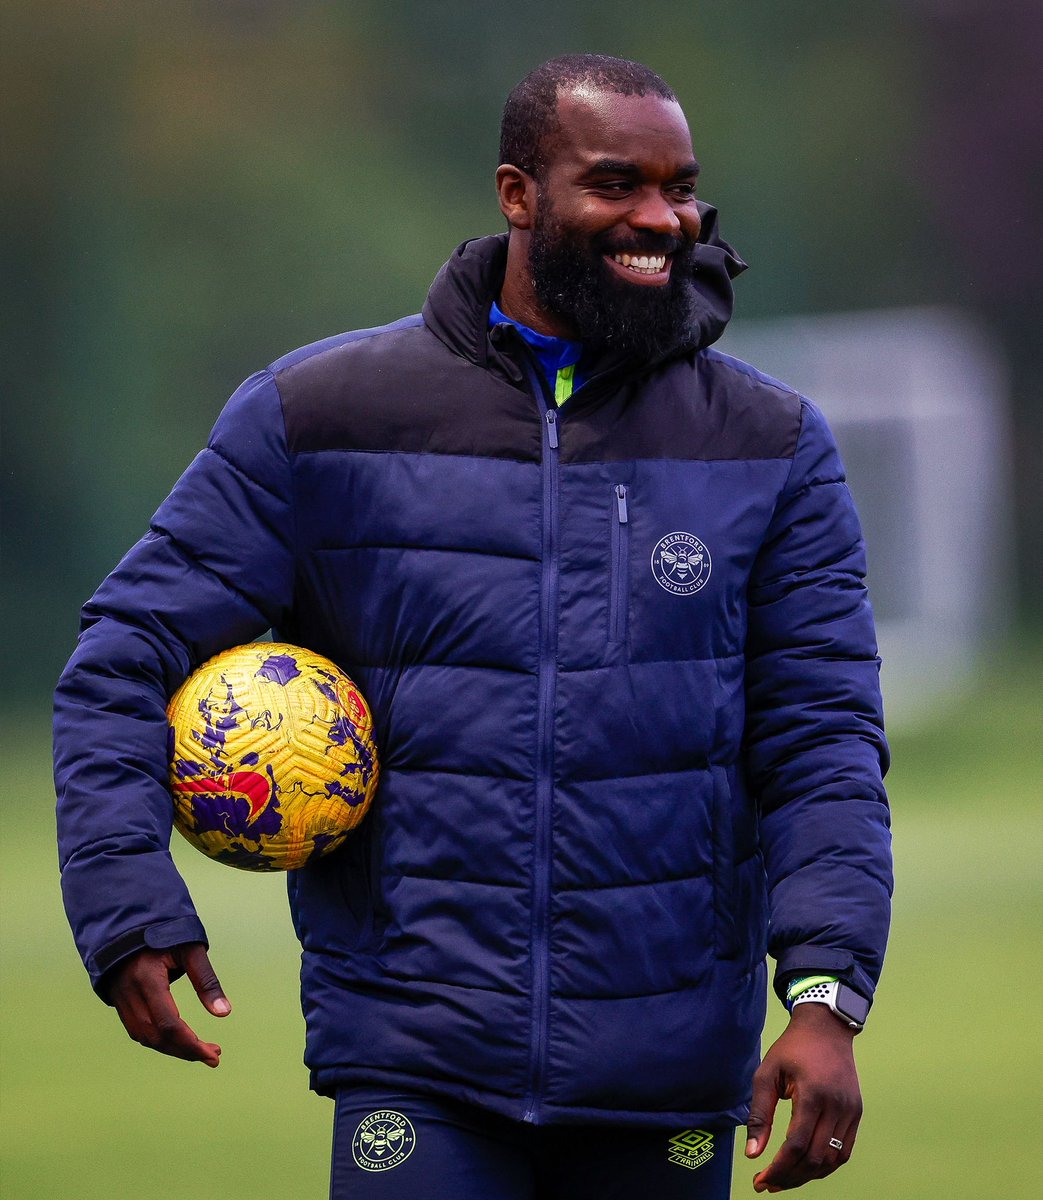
{"x": 204, "y": 979}
{"x": 762, "y": 1113}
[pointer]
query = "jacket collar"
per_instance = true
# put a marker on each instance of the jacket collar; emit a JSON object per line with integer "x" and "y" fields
{"x": 458, "y": 304}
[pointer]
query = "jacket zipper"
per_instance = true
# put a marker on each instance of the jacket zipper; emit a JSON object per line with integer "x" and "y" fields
{"x": 545, "y": 754}
{"x": 620, "y": 567}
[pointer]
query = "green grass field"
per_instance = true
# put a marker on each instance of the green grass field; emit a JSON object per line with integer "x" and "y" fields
{"x": 950, "y": 1063}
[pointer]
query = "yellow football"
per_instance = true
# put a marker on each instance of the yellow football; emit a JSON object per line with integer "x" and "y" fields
{"x": 272, "y": 758}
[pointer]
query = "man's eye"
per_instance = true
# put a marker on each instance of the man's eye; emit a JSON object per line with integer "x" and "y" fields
{"x": 617, "y": 186}
{"x": 685, "y": 190}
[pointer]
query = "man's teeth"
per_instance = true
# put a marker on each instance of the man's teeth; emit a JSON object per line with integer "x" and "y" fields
{"x": 642, "y": 263}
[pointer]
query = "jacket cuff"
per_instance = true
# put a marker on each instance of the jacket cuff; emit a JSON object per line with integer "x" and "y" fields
{"x": 820, "y": 960}
{"x": 153, "y": 937}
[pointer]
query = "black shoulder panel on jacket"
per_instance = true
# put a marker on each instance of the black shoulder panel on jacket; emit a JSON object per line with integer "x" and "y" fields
{"x": 708, "y": 407}
{"x": 402, "y": 389}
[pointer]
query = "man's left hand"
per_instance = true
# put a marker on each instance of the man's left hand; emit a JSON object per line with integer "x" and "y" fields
{"x": 812, "y": 1064}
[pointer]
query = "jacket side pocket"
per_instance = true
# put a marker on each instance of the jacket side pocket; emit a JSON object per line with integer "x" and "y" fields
{"x": 619, "y": 570}
{"x": 726, "y": 919}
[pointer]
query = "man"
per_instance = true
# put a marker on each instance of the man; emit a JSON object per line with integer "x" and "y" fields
{"x": 602, "y": 588}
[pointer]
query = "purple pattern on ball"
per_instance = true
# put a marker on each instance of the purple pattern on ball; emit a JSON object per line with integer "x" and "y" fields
{"x": 279, "y": 668}
{"x": 348, "y": 794}
{"x": 229, "y": 813}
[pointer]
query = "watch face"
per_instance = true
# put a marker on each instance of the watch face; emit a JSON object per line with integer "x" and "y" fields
{"x": 851, "y": 1004}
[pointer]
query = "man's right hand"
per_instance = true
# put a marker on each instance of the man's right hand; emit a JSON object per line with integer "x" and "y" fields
{"x": 140, "y": 993}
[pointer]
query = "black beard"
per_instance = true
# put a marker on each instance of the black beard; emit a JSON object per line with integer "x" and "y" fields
{"x": 573, "y": 282}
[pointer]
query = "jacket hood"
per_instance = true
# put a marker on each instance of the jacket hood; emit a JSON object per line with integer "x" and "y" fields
{"x": 458, "y": 304}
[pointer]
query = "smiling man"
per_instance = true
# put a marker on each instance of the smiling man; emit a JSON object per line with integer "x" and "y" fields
{"x": 604, "y": 221}
{"x": 603, "y": 589}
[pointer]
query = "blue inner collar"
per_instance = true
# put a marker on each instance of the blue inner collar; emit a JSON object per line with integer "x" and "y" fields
{"x": 553, "y": 353}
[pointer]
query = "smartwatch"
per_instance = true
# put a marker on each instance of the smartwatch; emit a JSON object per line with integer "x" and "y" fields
{"x": 842, "y": 1000}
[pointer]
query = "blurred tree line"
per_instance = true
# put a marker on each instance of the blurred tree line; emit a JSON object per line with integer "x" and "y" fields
{"x": 194, "y": 188}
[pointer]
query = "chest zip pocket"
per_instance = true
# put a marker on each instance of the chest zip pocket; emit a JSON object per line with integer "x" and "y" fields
{"x": 620, "y": 567}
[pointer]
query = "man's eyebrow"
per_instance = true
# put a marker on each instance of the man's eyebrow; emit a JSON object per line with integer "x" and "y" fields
{"x": 613, "y": 166}
{"x": 618, "y": 166}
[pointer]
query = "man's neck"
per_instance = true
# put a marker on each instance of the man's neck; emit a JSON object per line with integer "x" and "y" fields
{"x": 518, "y": 298}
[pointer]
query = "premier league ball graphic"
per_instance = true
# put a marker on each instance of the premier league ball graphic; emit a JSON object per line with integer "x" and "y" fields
{"x": 272, "y": 761}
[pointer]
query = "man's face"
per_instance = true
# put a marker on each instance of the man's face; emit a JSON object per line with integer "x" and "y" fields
{"x": 616, "y": 222}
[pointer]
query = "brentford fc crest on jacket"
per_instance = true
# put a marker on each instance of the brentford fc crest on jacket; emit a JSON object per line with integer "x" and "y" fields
{"x": 681, "y": 564}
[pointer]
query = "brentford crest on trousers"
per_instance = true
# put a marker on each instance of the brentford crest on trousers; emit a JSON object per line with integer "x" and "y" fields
{"x": 383, "y": 1140}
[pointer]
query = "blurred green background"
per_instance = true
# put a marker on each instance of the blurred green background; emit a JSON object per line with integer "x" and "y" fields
{"x": 949, "y": 1062}
{"x": 194, "y": 188}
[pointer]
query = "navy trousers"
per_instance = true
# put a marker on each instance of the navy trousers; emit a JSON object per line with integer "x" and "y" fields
{"x": 401, "y": 1146}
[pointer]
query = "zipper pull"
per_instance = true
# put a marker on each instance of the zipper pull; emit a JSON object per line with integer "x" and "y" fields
{"x": 621, "y": 503}
{"x": 552, "y": 428}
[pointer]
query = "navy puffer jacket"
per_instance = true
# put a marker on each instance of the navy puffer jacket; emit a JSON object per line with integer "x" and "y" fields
{"x": 624, "y": 678}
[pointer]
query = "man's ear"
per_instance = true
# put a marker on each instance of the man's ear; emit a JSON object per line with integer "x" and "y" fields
{"x": 516, "y": 190}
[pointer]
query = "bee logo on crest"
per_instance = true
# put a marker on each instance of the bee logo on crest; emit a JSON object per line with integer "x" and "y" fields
{"x": 383, "y": 1140}
{"x": 681, "y": 564}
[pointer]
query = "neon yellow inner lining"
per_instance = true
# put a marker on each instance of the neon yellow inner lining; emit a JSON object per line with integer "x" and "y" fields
{"x": 563, "y": 383}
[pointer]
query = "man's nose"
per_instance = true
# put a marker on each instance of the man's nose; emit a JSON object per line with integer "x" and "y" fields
{"x": 655, "y": 213}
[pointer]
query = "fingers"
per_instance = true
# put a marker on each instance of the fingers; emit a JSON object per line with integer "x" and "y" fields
{"x": 762, "y": 1110}
{"x": 193, "y": 958}
{"x": 785, "y": 1167}
{"x": 810, "y": 1150}
{"x": 141, "y": 996}
{"x": 846, "y": 1135}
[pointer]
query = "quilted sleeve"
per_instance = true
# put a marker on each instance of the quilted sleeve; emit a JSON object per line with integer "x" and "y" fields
{"x": 815, "y": 748}
{"x": 215, "y": 569}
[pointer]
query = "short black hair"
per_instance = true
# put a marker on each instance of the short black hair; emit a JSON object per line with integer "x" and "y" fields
{"x": 530, "y": 116}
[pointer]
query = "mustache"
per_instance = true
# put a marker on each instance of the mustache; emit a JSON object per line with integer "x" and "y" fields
{"x": 649, "y": 243}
